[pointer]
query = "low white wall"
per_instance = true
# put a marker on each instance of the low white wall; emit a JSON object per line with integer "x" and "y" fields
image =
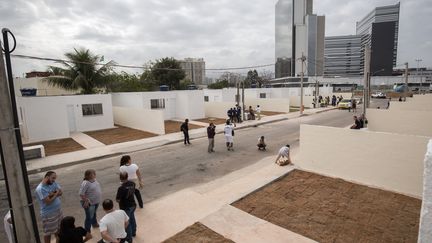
{"x": 276, "y": 105}
{"x": 43, "y": 118}
{"x": 392, "y": 162}
{"x": 220, "y": 95}
{"x": 307, "y": 101}
{"x": 190, "y": 104}
{"x": 217, "y": 109}
{"x": 400, "y": 121}
{"x": 141, "y": 119}
{"x": 425, "y": 229}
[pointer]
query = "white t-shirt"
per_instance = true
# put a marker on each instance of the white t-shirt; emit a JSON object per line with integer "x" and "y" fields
{"x": 228, "y": 130}
{"x": 284, "y": 151}
{"x": 258, "y": 109}
{"x": 114, "y": 223}
{"x": 131, "y": 170}
{"x": 8, "y": 228}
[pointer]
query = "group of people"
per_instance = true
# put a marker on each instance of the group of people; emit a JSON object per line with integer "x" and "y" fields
{"x": 325, "y": 101}
{"x": 115, "y": 226}
{"x": 234, "y": 114}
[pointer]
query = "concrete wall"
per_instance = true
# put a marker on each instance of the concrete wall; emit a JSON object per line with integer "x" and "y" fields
{"x": 425, "y": 229}
{"x": 217, "y": 109}
{"x": 190, "y": 104}
{"x": 400, "y": 121}
{"x": 49, "y": 117}
{"x": 389, "y": 161}
{"x": 43, "y": 89}
{"x": 141, "y": 119}
{"x": 221, "y": 95}
{"x": 307, "y": 101}
{"x": 131, "y": 99}
{"x": 277, "y": 105}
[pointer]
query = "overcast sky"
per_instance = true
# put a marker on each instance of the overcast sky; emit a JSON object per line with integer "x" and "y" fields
{"x": 226, "y": 33}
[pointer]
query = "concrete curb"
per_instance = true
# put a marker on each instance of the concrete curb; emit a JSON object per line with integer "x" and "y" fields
{"x": 113, "y": 154}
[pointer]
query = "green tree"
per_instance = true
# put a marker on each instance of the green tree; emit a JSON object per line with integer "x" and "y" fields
{"x": 80, "y": 72}
{"x": 124, "y": 82}
{"x": 219, "y": 85}
{"x": 184, "y": 84}
{"x": 167, "y": 71}
{"x": 252, "y": 78}
{"x": 149, "y": 81}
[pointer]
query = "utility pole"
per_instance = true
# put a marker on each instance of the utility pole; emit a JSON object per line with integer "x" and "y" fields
{"x": 421, "y": 75}
{"x": 243, "y": 102}
{"x": 303, "y": 59}
{"x": 12, "y": 156}
{"x": 366, "y": 83}
{"x": 406, "y": 82}
{"x": 238, "y": 93}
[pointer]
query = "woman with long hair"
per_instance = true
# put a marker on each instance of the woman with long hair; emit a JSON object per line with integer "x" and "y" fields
{"x": 68, "y": 233}
{"x": 134, "y": 175}
{"x": 90, "y": 194}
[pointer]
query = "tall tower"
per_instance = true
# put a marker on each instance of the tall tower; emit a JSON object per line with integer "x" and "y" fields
{"x": 283, "y": 38}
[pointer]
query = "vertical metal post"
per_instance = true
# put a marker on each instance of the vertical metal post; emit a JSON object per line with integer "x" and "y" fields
{"x": 406, "y": 82}
{"x": 366, "y": 83}
{"x": 303, "y": 59}
{"x": 243, "y": 102}
{"x": 12, "y": 156}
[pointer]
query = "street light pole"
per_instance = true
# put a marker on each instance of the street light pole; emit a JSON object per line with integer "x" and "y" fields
{"x": 406, "y": 82}
{"x": 303, "y": 59}
{"x": 421, "y": 76}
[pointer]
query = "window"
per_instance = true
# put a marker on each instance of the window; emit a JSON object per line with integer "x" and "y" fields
{"x": 157, "y": 104}
{"x": 262, "y": 95}
{"x": 206, "y": 98}
{"x": 92, "y": 109}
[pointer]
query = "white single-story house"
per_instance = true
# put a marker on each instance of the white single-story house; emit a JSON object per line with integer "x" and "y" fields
{"x": 179, "y": 104}
{"x": 54, "y": 117}
{"x": 220, "y": 95}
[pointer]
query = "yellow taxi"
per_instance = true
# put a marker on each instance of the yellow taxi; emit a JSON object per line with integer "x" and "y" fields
{"x": 344, "y": 103}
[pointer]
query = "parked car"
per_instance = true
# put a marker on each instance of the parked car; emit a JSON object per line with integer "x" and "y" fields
{"x": 344, "y": 104}
{"x": 378, "y": 95}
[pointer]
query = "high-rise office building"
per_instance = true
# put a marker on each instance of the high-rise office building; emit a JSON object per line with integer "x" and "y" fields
{"x": 379, "y": 30}
{"x": 343, "y": 56}
{"x": 297, "y": 32}
{"x": 194, "y": 69}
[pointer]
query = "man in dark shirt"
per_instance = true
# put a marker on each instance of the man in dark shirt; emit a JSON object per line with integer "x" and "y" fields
{"x": 211, "y": 131}
{"x": 357, "y": 124}
{"x": 125, "y": 198}
{"x": 185, "y": 129}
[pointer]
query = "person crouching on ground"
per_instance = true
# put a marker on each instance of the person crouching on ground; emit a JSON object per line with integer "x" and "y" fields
{"x": 283, "y": 157}
{"x": 261, "y": 144}
{"x": 229, "y": 135}
{"x": 211, "y": 131}
{"x": 357, "y": 124}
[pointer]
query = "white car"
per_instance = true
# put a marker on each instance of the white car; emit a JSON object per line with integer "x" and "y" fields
{"x": 378, "y": 95}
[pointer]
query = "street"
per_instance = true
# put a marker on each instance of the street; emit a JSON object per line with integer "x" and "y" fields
{"x": 173, "y": 167}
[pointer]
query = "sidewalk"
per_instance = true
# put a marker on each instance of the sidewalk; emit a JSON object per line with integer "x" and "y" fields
{"x": 99, "y": 152}
{"x": 210, "y": 204}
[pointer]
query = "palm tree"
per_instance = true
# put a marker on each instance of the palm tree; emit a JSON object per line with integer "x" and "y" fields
{"x": 81, "y": 72}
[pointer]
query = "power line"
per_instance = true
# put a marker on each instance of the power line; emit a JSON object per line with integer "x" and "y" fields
{"x": 113, "y": 64}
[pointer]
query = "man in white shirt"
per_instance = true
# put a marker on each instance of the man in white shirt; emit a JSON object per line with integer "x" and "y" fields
{"x": 284, "y": 152}
{"x": 229, "y": 133}
{"x": 112, "y": 226}
{"x": 258, "y": 111}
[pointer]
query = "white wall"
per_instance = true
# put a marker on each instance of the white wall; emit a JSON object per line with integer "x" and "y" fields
{"x": 190, "y": 104}
{"x": 130, "y": 99}
{"x": 46, "y": 117}
{"x": 95, "y": 122}
{"x": 43, "y": 89}
{"x": 307, "y": 101}
{"x": 392, "y": 162}
{"x": 220, "y": 95}
{"x": 425, "y": 229}
{"x": 400, "y": 121}
{"x": 141, "y": 119}
{"x": 217, "y": 109}
{"x": 43, "y": 118}
{"x": 276, "y": 105}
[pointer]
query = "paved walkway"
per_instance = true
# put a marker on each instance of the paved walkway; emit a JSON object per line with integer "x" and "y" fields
{"x": 210, "y": 204}
{"x": 98, "y": 152}
{"x": 85, "y": 140}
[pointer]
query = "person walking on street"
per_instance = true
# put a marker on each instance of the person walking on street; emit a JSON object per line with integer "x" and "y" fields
{"x": 90, "y": 194}
{"x": 68, "y": 233}
{"x": 125, "y": 198}
{"x": 134, "y": 175}
{"x": 185, "y": 129}
{"x": 113, "y": 224}
{"x": 258, "y": 112}
{"x": 354, "y": 105}
{"x": 48, "y": 193}
{"x": 388, "y": 103}
{"x": 349, "y": 105}
{"x": 229, "y": 135}
{"x": 211, "y": 132}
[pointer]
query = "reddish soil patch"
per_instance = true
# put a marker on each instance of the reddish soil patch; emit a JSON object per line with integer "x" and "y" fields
{"x": 333, "y": 210}
{"x": 197, "y": 233}
{"x": 216, "y": 121}
{"x": 271, "y": 113}
{"x": 119, "y": 135}
{"x": 58, "y": 146}
{"x": 174, "y": 126}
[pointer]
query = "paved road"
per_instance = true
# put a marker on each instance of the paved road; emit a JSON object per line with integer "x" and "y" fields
{"x": 173, "y": 167}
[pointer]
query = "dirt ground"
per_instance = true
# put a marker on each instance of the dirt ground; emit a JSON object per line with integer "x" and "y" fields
{"x": 58, "y": 146}
{"x": 216, "y": 121}
{"x": 197, "y": 233}
{"x": 174, "y": 126}
{"x": 119, "y": 135}
{"x": 271, "y": 113}
{"x": 333, "y": 210}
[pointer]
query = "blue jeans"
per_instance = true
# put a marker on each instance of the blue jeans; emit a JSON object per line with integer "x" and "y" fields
{"x": 90, "y": 218}
{"x": 131, "y": 229}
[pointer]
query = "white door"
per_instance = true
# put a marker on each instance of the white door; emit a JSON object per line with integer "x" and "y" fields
{"x": 71, "y": 118}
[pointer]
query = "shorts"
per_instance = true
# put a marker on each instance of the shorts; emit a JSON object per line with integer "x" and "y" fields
{"x": 51, "y": 222}
{"x": 229, "y": 138}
